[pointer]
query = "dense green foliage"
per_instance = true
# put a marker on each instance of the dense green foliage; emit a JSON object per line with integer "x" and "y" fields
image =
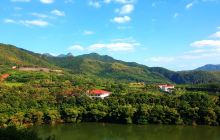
{"x": 208, "y": 88}
{"x": 46, "y": 102}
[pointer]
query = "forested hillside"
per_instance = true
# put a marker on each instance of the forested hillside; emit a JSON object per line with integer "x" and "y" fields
{"x": 108, "y": 67}
{"x": 103, "y": 67}
{"x": 11, "y": 55}
{"x": 189, "y": 77}
{"x": 209, "y": 67}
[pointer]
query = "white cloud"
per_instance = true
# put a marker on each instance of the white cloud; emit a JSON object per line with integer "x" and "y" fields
{"x": 107, "y": 1}
{"x": 124, "y": 1}
{"x": 202, "y": 53}
{"x": 20, "y": 0}
{"x": 113, "y": 47}
{"x": 216, "y": 35}
{"x": 153, "y": 4}
{"x": 17, "y": 8}
{"x": 94, "y": 4}
{"x": 121, "y": 20}
{"x": 194, "y": 2}
{"x": 153, "y": 20}
{"x": 124, "y": 27}
{"x": 120, "y": 1}
{"x": 210, "y": 0}
{"x": 202, "y": 56}
{"x": 156, "y": 3}
{"x": 76, "y": 48}
{"x": 87, "y": 32}
{"x": 68, "y": 1}
{"x": 197, "y": 51}
{"x": 190, "y": 5}
{"x": 39, "y": 15}
{"x": 126, "y": 9}
{"x": 203, "y": 49}
{"x": 161, "y": 59}
{"x": 39, "y": 23}
{"x": 206, "y": 43}
{"x": 128, "y": 39}
{"x": 58, "y": 12}
{"x": 176, "y": 15}
{"x": 47, "y": 1}
{"x": 9, "y": 21}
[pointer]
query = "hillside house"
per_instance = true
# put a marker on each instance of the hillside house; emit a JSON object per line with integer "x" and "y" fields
{"x": 4, "y": 76}
{"x": 14, "y": 67}
{"x": 166, "y": 88}
{"x": 98, "y": 93}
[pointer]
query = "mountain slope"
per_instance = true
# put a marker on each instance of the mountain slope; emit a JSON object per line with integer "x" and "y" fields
{"x": 11, "y": 55}
{"x": 209, "y": 67}
{"x": 104, "y": 67}
{"x": 188, "y": 77}
{"x": 108, "y": 67}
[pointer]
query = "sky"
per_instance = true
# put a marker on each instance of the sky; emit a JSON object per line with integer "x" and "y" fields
{"x": 175, "y": 34}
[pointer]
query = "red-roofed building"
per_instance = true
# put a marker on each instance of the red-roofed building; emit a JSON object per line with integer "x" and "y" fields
{"x": 167, "y": 88}
{"x": 97, "y": 93}
{"x": 4, "y": 76}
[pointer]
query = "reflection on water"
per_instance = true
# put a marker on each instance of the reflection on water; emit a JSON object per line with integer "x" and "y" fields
{"x": 102, "y": 131}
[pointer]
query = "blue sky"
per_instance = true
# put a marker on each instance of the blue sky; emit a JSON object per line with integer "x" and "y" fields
{"x": 176, "y": 34}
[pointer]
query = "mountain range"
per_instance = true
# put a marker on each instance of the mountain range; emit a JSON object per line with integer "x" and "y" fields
{"x": 209, "y": 67}
{"x": 104, "y": 67}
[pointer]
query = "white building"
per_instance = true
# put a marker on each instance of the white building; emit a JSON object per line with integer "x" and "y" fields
{"x": 167, "y": 88}
{"x": 98, "y": 94}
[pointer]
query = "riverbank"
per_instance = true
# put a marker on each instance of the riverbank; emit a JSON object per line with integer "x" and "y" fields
{"x": 21, "y": 109}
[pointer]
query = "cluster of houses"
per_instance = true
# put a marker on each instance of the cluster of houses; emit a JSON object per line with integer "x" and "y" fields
{"x": 97, "y": 93}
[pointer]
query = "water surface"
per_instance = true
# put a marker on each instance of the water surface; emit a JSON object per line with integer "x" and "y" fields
{"x": 103, "y": 131}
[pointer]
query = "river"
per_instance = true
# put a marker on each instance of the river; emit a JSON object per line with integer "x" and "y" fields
{"x": 103, "y": 131}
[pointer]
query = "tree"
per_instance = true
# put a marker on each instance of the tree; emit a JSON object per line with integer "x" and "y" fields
{"x": 52, "y": 116}
{"x": 122, "y": 114}
{"x": 142, "y": 115}
{"x": 96, "y": 112}
{"x": 71, "y": 115}
{"x": 34, "y": 116}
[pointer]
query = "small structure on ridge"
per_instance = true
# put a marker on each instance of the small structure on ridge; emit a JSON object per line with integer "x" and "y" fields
{"x": 166, "y": 88}
{"x": 14, "y": 67}
{"x": 4, "y": 76}
{"x": 97, "y": 93}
